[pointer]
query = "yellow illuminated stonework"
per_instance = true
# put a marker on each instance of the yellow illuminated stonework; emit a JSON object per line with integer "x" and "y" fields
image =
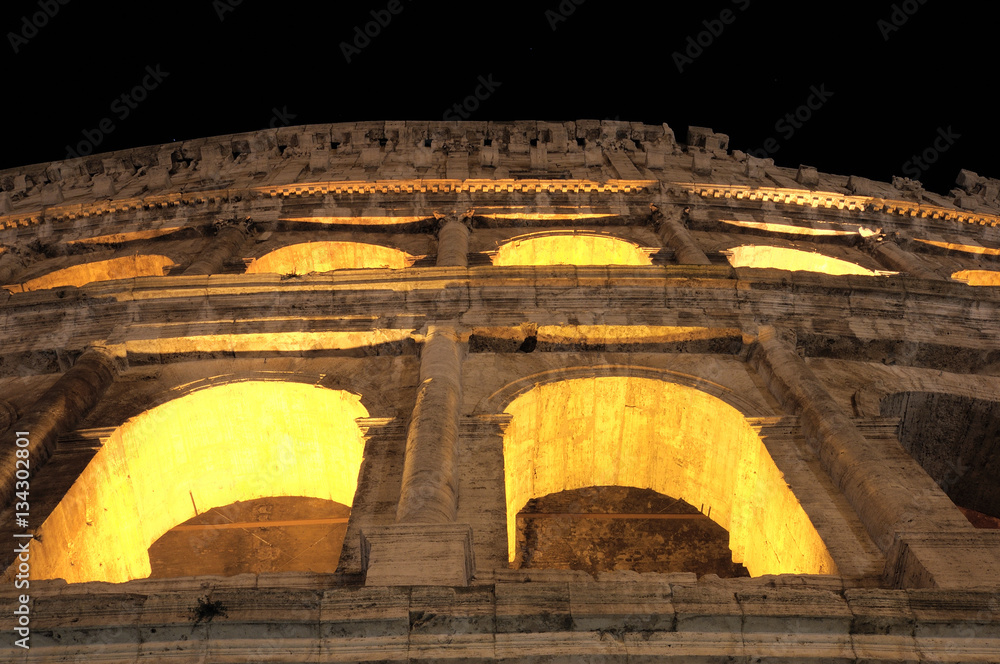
{"x": 126, "y": 267}
{"x": 327, "y": 256}
{"x": 570, "y": 249}
{"x": 978, "y": 277}
{"x": 673, "y": 439}
{"x": 234, "y": 442}
{"x": 782, "y": 258}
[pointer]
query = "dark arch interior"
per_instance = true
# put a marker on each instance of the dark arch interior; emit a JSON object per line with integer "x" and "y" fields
{"x": 957, "y": 441}
{"x": 281, "y": 534}
{"x": 604, "y": 528}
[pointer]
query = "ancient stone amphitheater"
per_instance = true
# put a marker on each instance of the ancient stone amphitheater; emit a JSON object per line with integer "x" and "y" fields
{"x": 541, "y": 392}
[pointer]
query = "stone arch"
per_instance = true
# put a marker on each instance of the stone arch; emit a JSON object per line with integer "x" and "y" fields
{"x": 212, "y": 447}
{"x": 956, "y": 439}
{"x": 365, "y": 388}
{"x": 498, "y": 401}
{"x": 786, "y": 258}
{"x": 124, "y": 267}
{"x": 307, "y": 257}
{"x": 569, "y": 248}
{"x": 978, "y": 277}
{"x": 637, "y": 431}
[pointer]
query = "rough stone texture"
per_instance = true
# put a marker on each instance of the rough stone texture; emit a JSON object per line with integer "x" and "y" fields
{"x": 874, "y": 396}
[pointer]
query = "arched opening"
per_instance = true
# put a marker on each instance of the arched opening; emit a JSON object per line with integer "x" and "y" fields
{"x": 570, "y": 248}
{"x": 956, "y": 439}
{"x": 328, "y": 256}
{"x": 675, "y": 440}
{"x": 604, "y": 528}
{"x": 783, "y": 258}
{"x": 978, "y": 277}
{"x": 209, "y": 449}
{"x": 126, "y": 267}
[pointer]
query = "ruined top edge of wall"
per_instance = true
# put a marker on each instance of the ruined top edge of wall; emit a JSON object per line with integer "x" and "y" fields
{"x": 643, "y": 152}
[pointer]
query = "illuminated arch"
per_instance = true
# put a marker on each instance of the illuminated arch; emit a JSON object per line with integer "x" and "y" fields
{"x": 570, "y": 248}
{"x": 673, "y": 439}
{"x": 327, "y": 256}
{"x": 978, "y": 277}
{"x": 211, "y": 448}
{"x": 126, "y": 267}
{"x": 783, "y": 258}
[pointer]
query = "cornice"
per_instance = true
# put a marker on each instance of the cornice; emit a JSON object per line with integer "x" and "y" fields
{"x": 706, "y": 191}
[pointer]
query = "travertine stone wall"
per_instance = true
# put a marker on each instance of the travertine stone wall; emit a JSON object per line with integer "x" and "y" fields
{"x": 126, "y": 286}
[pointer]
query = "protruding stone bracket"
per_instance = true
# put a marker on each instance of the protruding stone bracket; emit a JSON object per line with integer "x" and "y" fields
{"x": 418, "y": 555}
{"x": 230, "y": 234}
{"x": 945, "y": 560}
{"x": 887, "y": 251}
{"x": 676, "y": 236}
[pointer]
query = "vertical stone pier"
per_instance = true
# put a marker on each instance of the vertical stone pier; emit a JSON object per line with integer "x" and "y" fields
{"x": 426, "y": 546}
{"x": 902, "y": 508}
{"x": 60, "y": 409}
{"x": 676, "y": 236}
{"x": 220, "y": 250}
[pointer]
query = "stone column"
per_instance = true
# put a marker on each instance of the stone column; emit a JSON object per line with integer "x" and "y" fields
{"x": 229, "y": 238}
{"x": 426, "y": 546}
{"x": 890, "y": 254}
{"x": 429, "y": 493}
{"x": 453, "y": 243}
{"x": 60, "y": 409}
{"x": 676, "y": 236}
{"x": 896, "y": 501}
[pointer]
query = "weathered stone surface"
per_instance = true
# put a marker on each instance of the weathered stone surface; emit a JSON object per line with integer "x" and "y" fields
{"x": 389, "y": 293}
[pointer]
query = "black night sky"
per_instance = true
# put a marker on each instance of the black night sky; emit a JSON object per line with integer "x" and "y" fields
{"x": 851, "y": 91}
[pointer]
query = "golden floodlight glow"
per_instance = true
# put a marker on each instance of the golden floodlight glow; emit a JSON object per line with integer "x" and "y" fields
{"x": 774, "y": 227}
{"x": 978, "y": 277}
{"x": 327, "y": 256}
{"x": 126, "y": 267}
{"x": 570, "y": 249}
{"x": 357, "y": 221}
{"x": 546, "y": 216}
{"x": 679, "y": 441}
{"x": 234, "y": 442}
{"x": 781, "y": 258}
{"x": 956, "y": 246}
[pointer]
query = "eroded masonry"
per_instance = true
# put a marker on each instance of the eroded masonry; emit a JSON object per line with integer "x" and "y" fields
{"x": 428, "y": 391}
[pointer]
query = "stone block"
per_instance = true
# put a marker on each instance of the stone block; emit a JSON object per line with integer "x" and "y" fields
{"x": 701, "y": 163}
{"x": 615, "y": 606}
{"x": 533, "y": 607}
{"x": 444, "y": 610}
{"x": 808, "y": 176}
{"x": 104, "y": 186}
{"x": 158, "y": 177}
{"x": 354, "y": 611}
{"x": 418, "y": 555}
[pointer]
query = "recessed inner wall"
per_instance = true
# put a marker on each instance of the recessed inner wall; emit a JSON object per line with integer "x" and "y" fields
{"x": 326, "y": 256}
{"x": 126, "y": 267}
{"x": 676, "y": 440}
{"x": 272, "y": 534}
{"x": 956, "y": 439}
{"x": 570, "y": 249}
{"x": 604, "y": 528}
{"x": 234, "y": 442}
